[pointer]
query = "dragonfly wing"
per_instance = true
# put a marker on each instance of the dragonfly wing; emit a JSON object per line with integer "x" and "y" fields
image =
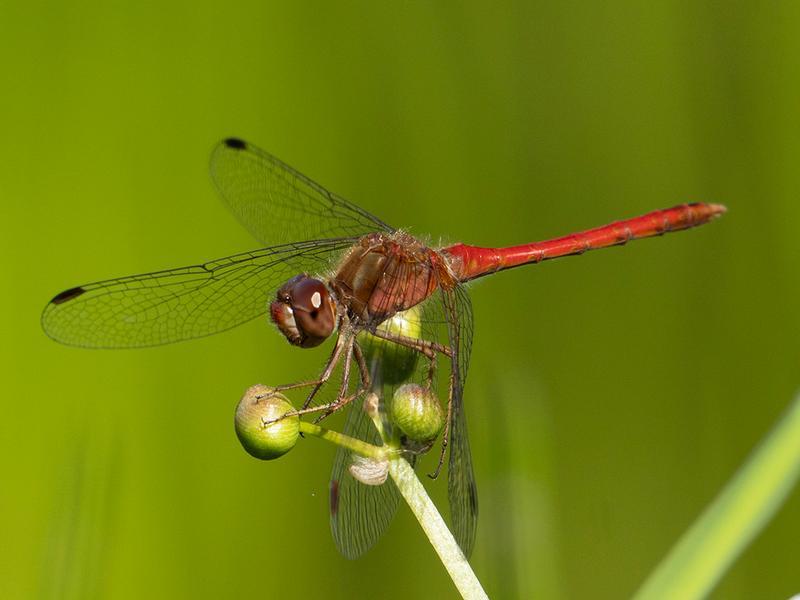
{"x": 180, "y": 304}
{"x": 277, "y": 204}
{"x": 462, "y": 491}
{"x": 359, "y": 513}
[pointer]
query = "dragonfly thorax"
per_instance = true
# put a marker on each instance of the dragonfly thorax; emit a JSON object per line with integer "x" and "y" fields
{"x": 304, "y": 311}
{"x": 383, "y": 275}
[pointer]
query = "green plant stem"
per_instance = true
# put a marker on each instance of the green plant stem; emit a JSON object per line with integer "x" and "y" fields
{"x": 435, "y": 528}
{"x": 356, "y": 445}
{"x": 421, "y": 505}
{"x": 700, "y": 558}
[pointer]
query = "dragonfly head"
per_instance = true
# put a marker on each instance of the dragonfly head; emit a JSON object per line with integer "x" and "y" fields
{"x": 304, "y": 311}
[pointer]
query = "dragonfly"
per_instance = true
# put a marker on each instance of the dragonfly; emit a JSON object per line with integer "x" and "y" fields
{"x": 331, "y": 270}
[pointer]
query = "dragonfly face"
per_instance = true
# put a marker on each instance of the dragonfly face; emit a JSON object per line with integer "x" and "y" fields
{"x": 304, "y": 311}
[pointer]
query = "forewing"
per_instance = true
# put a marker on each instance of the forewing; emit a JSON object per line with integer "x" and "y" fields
{"x": 277, "y": 204}
{"x": 181, "y": 304}
{"x": 462, "y": 491}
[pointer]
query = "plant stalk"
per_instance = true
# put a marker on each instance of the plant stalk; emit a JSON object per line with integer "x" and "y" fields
{"x": 435, "y": 528}
{"x": 354, "y": 444}
{"x": 421, "y": 505}
{"x": 747, "y": 503}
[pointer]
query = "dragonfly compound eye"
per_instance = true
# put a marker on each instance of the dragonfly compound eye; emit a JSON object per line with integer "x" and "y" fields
{"x": 304, "y": 311}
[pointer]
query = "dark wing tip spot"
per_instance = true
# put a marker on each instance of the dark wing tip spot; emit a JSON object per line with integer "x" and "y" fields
{"x": 235, "y": 143}
{"x": 67, "y": 295}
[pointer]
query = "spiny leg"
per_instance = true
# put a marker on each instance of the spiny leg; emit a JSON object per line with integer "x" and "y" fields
{"x": 326, "y": 374}
{"x": 353, "y": 351}
{"x": 366, "y": 380}
{"x": 341, "y": 398}
{"x": 328, "y": 409}
{"x": 426, "y": 347}
{"x": 316, "y": 384}
{"x": 446, "y": 434}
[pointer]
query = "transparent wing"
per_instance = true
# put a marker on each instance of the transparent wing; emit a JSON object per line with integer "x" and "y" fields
{"x": 277, "y": 204}
{"x": 181, "y": 304}
{"x": 359, "y": 513}
{"x": 462, "y": 491}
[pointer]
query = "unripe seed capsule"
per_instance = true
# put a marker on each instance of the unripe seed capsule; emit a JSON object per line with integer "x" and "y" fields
{"x": 262, "y": 438}
{"x": 417, "y": 412}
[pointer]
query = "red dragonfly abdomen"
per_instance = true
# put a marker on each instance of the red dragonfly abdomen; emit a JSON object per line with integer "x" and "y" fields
{"x": 469, "y": 262}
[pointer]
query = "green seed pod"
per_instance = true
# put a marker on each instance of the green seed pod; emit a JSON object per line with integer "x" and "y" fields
{"x": 417, "y": 412}
{"x": 397, "y": 361}
{"x": 258, "y": 407}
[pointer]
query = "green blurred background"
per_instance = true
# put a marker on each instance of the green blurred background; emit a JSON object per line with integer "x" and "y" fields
{"x": 609, "y": 397}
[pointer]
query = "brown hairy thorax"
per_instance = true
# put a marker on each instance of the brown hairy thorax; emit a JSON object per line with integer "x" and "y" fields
{"x": 384, "y": 274}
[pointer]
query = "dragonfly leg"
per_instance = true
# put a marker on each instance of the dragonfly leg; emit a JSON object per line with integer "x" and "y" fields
{"x": 426, "y": 347}
{"x": 342, "y": 398}
{"x": 334, "y": 406}
{"x": 366, "y": 380}
{"x": 315, "y": 384}
{"x": 353, "y": 352}
{"x": 329, "y": 408}
{"x": 446, "y": 434}
{"x": 431, "y": 372}
{"x": 326, "y": 374}
{"x": 326, "y": 409}
{"x": 333, "y": 360}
